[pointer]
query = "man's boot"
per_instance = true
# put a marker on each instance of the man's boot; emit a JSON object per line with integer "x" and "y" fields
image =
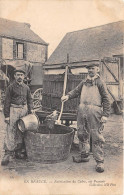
{"x": 8, "y": 157}
{"x": 20, "y": 151}
{"x": 100, "y": 167}
{"x": 20, "y": 154}
{"x": 79, "y": 159}
{"x": 84, "y": 149}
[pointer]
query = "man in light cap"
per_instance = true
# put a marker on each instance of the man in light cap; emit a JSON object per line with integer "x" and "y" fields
{"x": 93, "y": 111}
{"x": 18, "y": 103}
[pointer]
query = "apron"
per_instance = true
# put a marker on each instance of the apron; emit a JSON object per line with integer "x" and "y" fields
{"x": 14, "y": 137}
{"x": 89, "y": 122}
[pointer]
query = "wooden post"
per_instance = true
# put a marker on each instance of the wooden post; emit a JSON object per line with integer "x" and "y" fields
{"x": 64, "y": 88}
{"x": 119, "y": 80}
{"x": 67, "y": 59}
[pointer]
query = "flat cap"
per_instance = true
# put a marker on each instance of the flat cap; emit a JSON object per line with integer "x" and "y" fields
{"x": 19, "y": 70}
{"x": 92, "y": 65}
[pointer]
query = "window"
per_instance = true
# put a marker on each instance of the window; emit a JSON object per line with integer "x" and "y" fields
{"x": 19, "y": 50}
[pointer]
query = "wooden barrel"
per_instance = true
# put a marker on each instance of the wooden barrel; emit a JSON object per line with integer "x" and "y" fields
{"x": 49, "y": 146}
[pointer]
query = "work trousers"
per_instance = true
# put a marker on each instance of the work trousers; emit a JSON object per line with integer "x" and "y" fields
{"x": 14, "y": 137}
{"x": 88, "y": 126}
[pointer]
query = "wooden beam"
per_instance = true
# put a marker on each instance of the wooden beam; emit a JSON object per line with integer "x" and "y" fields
{"x": 120, "y": 87}
{"x": 71, "y": 64}
{"x": 112, "y": 83}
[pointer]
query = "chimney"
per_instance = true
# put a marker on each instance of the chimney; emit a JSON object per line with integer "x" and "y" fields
{"x": 27, "y": 24}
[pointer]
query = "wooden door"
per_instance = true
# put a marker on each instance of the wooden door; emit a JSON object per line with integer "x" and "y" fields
{"x": 110, "y": 72}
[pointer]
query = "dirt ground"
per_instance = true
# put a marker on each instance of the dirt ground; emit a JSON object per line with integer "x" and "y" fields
{"x": 68, "y": 172}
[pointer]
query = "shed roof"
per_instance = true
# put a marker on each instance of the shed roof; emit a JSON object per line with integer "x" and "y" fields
{"x": 92, "y": 43}
{"x": 18, "y": 30}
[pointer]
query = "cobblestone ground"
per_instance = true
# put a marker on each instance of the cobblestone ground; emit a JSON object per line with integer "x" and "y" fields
{"x": 113, "y": 134}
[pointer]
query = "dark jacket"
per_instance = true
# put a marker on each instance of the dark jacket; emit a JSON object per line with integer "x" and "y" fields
{"x": 19, "y": 95}
{"x": 102, "y": 90}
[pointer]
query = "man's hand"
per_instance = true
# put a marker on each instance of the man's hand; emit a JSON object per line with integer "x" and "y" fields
{"x": 104, "y": 119}
{"x": 32, "y": 111}
{"x": 7, "y": 120}
{"x": 64, "y": 98}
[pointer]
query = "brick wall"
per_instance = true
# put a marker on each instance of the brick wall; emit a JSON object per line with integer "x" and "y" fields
{"x": 7, "y": 48}
{"x": 32, "y": 52}
{"x": 36, "y": 52}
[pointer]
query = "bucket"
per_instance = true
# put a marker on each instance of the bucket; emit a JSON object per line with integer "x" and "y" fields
{"x": 28, "y": 123}
{"x": 118, "y": 107}
{"x": 46, "y": 147}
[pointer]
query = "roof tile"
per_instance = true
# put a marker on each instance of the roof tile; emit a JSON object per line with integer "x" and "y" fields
{"x": 88, "y": 44}
{"x": 18, "y": 30}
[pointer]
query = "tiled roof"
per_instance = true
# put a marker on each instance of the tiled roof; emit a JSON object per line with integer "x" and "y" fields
{"x": 18, "y": 30}
{"x": 88, "y": 44}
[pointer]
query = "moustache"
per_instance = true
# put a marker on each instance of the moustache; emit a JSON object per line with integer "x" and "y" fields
{"x": 20, "y": 79}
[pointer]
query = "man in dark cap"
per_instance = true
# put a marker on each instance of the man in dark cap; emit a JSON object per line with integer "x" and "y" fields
{"x": 18, "y": 103}
{"x": 93, "y": 111}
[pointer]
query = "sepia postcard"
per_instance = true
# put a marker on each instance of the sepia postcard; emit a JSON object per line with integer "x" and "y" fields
{"x": 61, "y": 97}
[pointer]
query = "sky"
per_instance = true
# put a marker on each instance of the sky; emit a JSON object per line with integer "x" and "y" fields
{"x": 52, "y": 19}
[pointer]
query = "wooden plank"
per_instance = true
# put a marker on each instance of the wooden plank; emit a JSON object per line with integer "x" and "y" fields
{"x": 110, "y": 71}
{"x": 52, "y": 91}
{"x": 65, "y": 116}
{"x": 119, "y": 87}
{"x": 112, "y": 83}
{"x": 111, "y": 59}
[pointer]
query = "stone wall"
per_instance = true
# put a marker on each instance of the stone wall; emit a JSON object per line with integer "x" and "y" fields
{"x": 32, "y": 52}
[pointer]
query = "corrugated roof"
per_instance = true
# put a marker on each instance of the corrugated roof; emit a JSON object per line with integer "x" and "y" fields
{"x": 92, "y": 43}
{"x": 18, "y": 30}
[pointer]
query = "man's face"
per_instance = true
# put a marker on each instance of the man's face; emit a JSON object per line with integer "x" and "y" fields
{"x": 19, "y": 77}
{"x": 92, "y": 71}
